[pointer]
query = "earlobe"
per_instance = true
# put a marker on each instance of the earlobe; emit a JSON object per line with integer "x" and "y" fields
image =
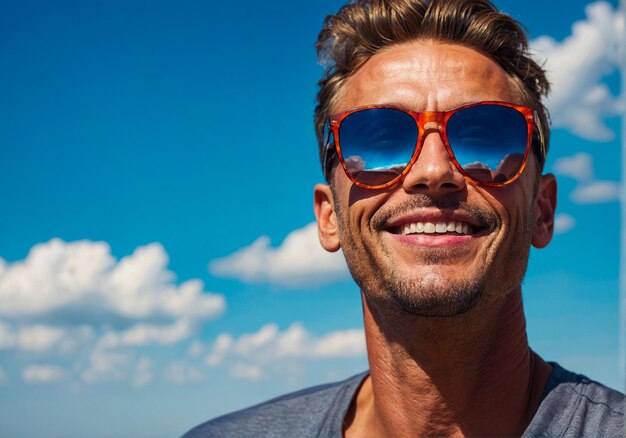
{"x": 327, "y": 227}
{"x": 544, "y": 210}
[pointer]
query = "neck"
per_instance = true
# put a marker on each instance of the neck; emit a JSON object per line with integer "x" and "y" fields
{"x": 468, "y": 375}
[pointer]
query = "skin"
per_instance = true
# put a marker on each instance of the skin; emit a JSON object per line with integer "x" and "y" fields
{"x": 443, "y": 316}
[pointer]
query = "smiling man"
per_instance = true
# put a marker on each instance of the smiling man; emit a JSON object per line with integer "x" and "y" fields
{"x": 433, "y": 138}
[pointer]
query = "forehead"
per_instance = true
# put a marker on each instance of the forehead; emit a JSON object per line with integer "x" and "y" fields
{"x": 427, "y": 75}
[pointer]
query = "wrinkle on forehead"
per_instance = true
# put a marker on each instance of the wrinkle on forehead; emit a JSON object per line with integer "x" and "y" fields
{"x": 427, "y": 75}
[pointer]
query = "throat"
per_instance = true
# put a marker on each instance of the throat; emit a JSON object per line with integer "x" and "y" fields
{"x": 445, "y": 376}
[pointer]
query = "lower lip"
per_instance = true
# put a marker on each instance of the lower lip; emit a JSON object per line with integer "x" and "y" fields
{"x": 432, "y": 240}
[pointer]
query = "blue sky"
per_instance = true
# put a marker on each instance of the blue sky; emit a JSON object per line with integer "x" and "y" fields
{"x": 157, "y": 262}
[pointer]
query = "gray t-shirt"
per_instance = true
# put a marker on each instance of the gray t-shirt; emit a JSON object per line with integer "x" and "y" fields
{"x": 572, "y": 406}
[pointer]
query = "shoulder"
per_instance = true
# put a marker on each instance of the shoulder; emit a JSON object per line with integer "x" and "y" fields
{"x": 311, "y": 412}
{"x": 574, "y": 405}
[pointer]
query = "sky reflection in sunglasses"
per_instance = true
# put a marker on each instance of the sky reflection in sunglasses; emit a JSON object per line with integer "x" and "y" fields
{"x": 487, "y": 141}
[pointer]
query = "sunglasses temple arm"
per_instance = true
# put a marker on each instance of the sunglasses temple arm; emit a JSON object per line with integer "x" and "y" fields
{"x": 541, "y": 138}
{"x": 326, "y": 150}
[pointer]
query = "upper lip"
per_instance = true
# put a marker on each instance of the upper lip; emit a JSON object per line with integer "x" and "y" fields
{"x": 431, "y": 215}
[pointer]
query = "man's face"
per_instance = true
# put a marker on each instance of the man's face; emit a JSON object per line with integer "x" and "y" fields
{"x": 441, "y": 273}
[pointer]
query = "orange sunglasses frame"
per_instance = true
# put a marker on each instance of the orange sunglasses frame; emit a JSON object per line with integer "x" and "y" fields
{"x": 441, "y": 117}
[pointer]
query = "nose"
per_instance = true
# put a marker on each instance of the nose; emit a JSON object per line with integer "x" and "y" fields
{"x": 433, "y": 171}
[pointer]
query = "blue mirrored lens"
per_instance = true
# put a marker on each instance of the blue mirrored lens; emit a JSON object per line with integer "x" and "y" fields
{"x": 377, "y": 144}
{"x": 488, "y": 141}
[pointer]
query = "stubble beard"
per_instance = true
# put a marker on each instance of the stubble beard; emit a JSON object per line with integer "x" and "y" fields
{"x": 432, "y": 294}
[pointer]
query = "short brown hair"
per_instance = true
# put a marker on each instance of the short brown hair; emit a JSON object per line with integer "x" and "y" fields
{"x": 364, "y": 27}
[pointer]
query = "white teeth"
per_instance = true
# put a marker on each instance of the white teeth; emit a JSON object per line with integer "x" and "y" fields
{"x": 429, "y": 228}
{"x": 436, "y": 227}
{"x": 451, "y": 226}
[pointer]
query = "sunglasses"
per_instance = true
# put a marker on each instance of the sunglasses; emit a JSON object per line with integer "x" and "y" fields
{"x": 488, "y": 142}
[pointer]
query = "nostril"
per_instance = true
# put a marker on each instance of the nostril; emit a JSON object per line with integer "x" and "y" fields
{"x": 445, "y": 186}
{"x": 448, "y": 185}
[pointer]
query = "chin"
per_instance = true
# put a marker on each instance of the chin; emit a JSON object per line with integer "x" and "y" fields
{"x": 432, "y": 295}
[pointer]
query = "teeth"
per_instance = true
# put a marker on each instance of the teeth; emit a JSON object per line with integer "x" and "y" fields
{"x": 436, "y": 228}
{"x": 451, "y": 226}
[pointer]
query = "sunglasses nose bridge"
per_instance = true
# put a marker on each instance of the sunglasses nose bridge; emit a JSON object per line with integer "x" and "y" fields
{"x": 430, "y": 121}
{"x": 433, "y": 170}
{"x": 429, "y": 116}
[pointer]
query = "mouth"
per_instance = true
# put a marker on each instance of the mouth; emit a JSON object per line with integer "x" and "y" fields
{"x": 433, "y": 228}
{"x": 424, "y": 223}
{"x": 450, "y": 227}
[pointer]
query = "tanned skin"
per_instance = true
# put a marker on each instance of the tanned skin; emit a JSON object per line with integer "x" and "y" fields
{"x": 443, "y": 315}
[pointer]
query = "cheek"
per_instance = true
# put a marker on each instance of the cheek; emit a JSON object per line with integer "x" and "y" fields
{"x": 350, "y": 220}
{"x": 522, "y": 214}
{"x": 355, "y": 225}
{"x": 355, "y": 207}
{"x": 508, "y": 252}
{"x": 513, "y": 205}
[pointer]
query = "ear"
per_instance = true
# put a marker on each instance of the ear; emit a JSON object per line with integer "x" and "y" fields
{"x": 544, "y": 208}
{"x": 327, "y": 227}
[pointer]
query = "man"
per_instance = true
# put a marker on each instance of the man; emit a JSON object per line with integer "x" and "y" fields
{"x": 433, "y": 139}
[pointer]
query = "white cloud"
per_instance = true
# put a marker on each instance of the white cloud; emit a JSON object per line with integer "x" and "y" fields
{"x": 196, "y": 349}
{"x": 109, "y": 359}
{"x": 588, "y": 190}
{"x": 143, "y": 372}
{"x": 41, "y": 338}
{"x": 76, "y": 297}
{"x": 7, "y": 336}
{"x": 43, "y": 374}
{"x": 595, "y": 192}
{"x": 251, "y": 343}
{"x": 348, "y": 343}
{"x": 299, "y": 261}
{"x": 578, "y": 166}
{"x": 563, "y": 223}
{"x": 106, "y": 365}
{"x": 83, "y": 279}
{"x": 246, "y": 372}
{"x": 145, "y": 334}
{"x": 269, "y": 344}
{"x": 221, "y": 347}
{"x": 182, "y": 373}
{"x": 579, "y": 101}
